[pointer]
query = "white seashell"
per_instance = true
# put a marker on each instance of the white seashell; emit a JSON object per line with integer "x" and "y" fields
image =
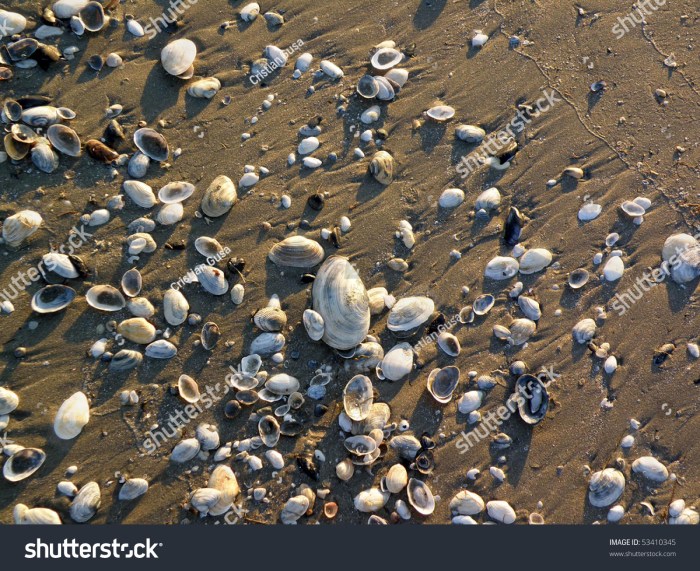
{"x": 610, "y": 365}
{"x": 627, "y": 441}
{"x": 9, "y": 401}
{"x": 377, "y": 295}
{"x": 72, "y": 416}
{"x": 398, "y": 76}
{"x": 314, "y": 324}
{"x": 584, "y": 331}
{"x": 98, "y": 348}
{"x": 188, "y": 389}
{"x": 237, "y": 294}
{"x": 605, "y": 487}
{"x": 248, "y": 179}
{"x": 682, "y": 252}
{"x": 501, "y": 268}
{"x": 212, "y": 279}
{"x": 420, "y": 497}
{"x": 463, "y": 520}
{"x": 397, "y": 363}
{"x": 396, "y": 479}
{"x": 385, "y": 58}
{"x": 370, "y": 500}
{"x": 65, "y": 9}
{"x": 479, "y": 39}
{"x": 175, "y": 192}
{"x": 140, "y": 193}
{"x": 530, "y": 307}
{"x": 170, "y": 214}
{"x": 500, "y": 511}
{"x": 632, "y": 209}
{"x": 345, "y": 469}
{"x": 693, "y": 350}
{"x": 312, "y": 162}
{"x": 224, "y": 480}
{"x": 275, "y": 459}
{"x": 135, "y": 28}
{"x": 276, "y": 55}
{"x": 18, "y": 227}
{"x": 406, "y": 233}
{"x": 470, "y": 133}
{"x": 304, "y": 62}
{"x": 33, "y": 516}
{"x": 451, "y": 198}
{"x": 371, "y": 114}
{"x": 160, "y": 349}
{"x": 86, "y": 503}
{"x": 535, "y": 260}
{"x": 490, "y": 199}
{"x": 650, "y": 468}
{"x": 687, "y": 517}
{"x": 60, "y": 264}
{"x": 208, "y": 436}
{"x": 219, "y": 197}
{"x": 178, "y": 56}
{"x": 282, "y": 384}
{"x": 441, "y": 113}
{"x": 250, "y": 11}
{"x": 331, "y": 70}
{"x": 613, "y": 269}
{"x": 12, "y": 23}
{"x": 203, "y": 499}
{"x": 133, "y": 488}
{"x": 294, "y": 509}
{"x": 589, "y": 212}
{"x": 616, "y": 513}
{"x": 204, "y": 88}
{"x": 185, "y": 450}
{"x": 175, "y": 307}
{"x": 466, "y": 503}
{"x": 410, "y": 312}
{"x": 358, "y": 397}
{"x": 308, "y": 145}
{"x": 470, "y": 401}
{"x": 676, "y": 508}
{"x": 449, "y": 344}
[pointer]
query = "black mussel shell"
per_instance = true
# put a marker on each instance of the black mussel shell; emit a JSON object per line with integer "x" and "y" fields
{"x": 232, "y": 408}
{"x": 513, "y": 226}
{"x": 435, "y": 324}
{"x": 307, "y": 464}
{"x": 426, "y": 442}
{"x": 425, "y": 461}
{"x": 307, "y": 278}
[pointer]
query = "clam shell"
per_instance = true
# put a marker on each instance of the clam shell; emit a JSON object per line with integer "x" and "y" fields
{"x": 204, "y": 88}
{"x": 44, "y": 158}
{"x": 501, "y": 268}
{"x": 282, "y": 384}
{"x": 20, "y": 226}
{"x": 360, "y": 445}
{"x": 297, "y": 252}
{"x": 409, "y": 313}
{"x": 175, "y": 307}
{"x": 442, "y": 383}
{"x": 23, "y": 464}
{"x": 314, "y": 325}
{"x": 534, "y": 398}
{"x": 133, "y": 488}
{"x": 513, "y": 226}
{"x": 386, "y": 90}
{"x": 177, "y": 58}
{"x": 500, "y": 511}
{"x": 208, "y": 247}
{"x": 15, "y": 150}
{"x": 386, "y": 58}
{"x": 584, "y": 331}
{"x": 521, "y": 330}
{"x": 8, "y": 401}
{"x": 470, "y": 401}
{"x": 294, "y": 509}
{"x": 340, "y": 298}
{"x": 11, "y": 23}
{"x": 589, "y": 211}
{"x": 308, "y": 145}
{"x": 270, "y": 319}
{"x": 105, "y": 298}
{"x": 449, "y": 344}
{"x": 52, "y": 298}
{"x": 250, "y": 11}
{"x": 605, "y": 487}
{"x": 632, "y": 209}
{"x": 175, "y": 192}
{"x": 151, "y": 143}
{"x": 137, "y": 330}
{"x": 267, "y": 344}
{"x": 185, "y": 450}
{"x": 396, "y": 479}
{"x": 451, "y": 198}
{"x": 219, "y": 197}
{"x": 377, "y": 295}
{"x": 161, "y": 349}
{"x": 224, "y": 480}
{"x": 367, "y": 87}
{"x": 381, "y": 167}
{"x": 86, "y": 503}
{"x": 370, "y": 500}
{"x": 331, "y": 70}
{"x": 578, "y": 278}
{"x": 483, "y": 304}
{"x": 210, "y": 335}
{"x": 358, "y": 397}
{"x": 377, "y": 418}
{"x": 420, "y": 497}
{"x": 466, "y": 503}
{"x": 490, "y": 199}
{"x": 140, "y": 193}
{"x": 269, "y": 430}
{"x": 72, "y": 416}
{"x": 441, "y": 113}
{"x": 397, "y": 363}
{"x": 170, "y": 214}
{"x": 132, "y": 282}
{"x": 212, "y": 279}
{"x": 398, "y": 76}
{"x": 188, "y": 389}
{"x": 535, "y": 260}
{"x": 41, "y": 116}
{"x": 530, "y": 307}
{"x": 208, "y": 436}
{"x": 93, "y": 17}
{"x": 614, "y": 269}
{"x": 203, "y": 499}
{"x": 138, "y": 165}
{"x": 406, "y": 446}
{"x": 650, "y": 468}
{"x": 64, "y": 139}
{"x": 34, "y": 516}
{"x": 470, "y": 133}
{"x": 682, "y": 253}
{"x": 125, "y": 360}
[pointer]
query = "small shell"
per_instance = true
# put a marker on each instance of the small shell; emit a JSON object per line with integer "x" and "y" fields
{"x": 420, "y": 497}
{"x": 605, "y": 487}
{"x": 212, "y": 279}
{"x": 188, "y": 389}
{"x": 442, "y": 383}
{"x": 177, "y": 59}
{"x": 23, "y": 464}
{"x": 650, "y": 468}
{"x": 313, "y": 323}
{"x": 151, "y": 143}
{"x": 18, "y": 227}
{"x": 386, "y": 58}
{"x": 125, "y": 360}
{"x": 140, "y": 193}
{"x": 501, "y": 268}
{"x": 534, "y": 399}
{"x": 381, "y": 167}
{"x": 294, "y": 509}
{"x": 530, "y": 307}
{"x": 370, "y": 500}
{"x": 175, "y": 307}
{"x": 270, "y": 319}
{"x": 105, "y": 298}
{"x": 578, "y": 278}
{"x": 138, "y": 165}
{"x": 345, "y": 469}
{"x": 132, "y": 282}
{"x": 500, "y": 511}
{"x": 614, "y": 269}
{"x": 219, "y": 197}
{"x": 137, "y": 330}
{"x": 584, "y": 331}
{"x": 34, "y": 516}
{"x": 397, "y": 363}
{"x": 441, "y": 113}
{"x": 86, "y": 503}
{"x": 470, "y": 133}
{"x": 395, "y": 480}
{"x": 8, "y": 401}
{"x": 174, "y": 192}
{"x": 267, "y": 344}
{"x": 133, "y": 488}
{"x": 589, "y": 211}
{"x": 210, "y": 335}
{"x": 367, "y": 87}
{"x": 521, "y": 330}
{"x": 203, "y": 499}
{"x": 208, "y": 436}
{"x": 470, "y": 401}
{"x": 409, "y": 313}
{"x": 64, "y": 139}
{"x": 358, "y": 397}
{"x": 535, "y": 260}
{"x": 224, "y": 480}
{"x": 204, "y": 88}
{"x": 170, "y": 214}
{"x": 185, "y": 450}
{"x": 466, "y": 503}
{"x": 451, "y": 198}
{"x": 52, "y": 298}
{"x": 161, "y": 349}
{"x": 331, "y": 70}
{"x": 72, "y": 416}
{"x": 490, "y": 199}
{"x": 282, "y": 384}
{"x": 269, "y": 430}
{"x": 632, "y": 209}
{"x": 297, "y": 252}
{"x": 483, "y": 304}
{"x": 449, "y": 344}
{"x": 250, "y": 11}
{"x": 93, "y": 17}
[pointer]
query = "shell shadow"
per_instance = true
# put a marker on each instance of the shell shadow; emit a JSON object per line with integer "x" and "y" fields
{"x": 427, "y": 13}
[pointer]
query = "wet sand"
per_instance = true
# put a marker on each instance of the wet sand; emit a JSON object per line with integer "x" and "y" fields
{"x": 622, "y": 159}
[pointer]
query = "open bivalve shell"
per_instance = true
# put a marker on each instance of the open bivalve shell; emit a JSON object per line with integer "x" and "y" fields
{"x": 532, "y": 398}
{"x": 23, "y": 464}
{"x": 442, "y": 383}
{"x": 358, "y": 397}
{"x": 420, "y": 497}
{"x": 52, "y": 298}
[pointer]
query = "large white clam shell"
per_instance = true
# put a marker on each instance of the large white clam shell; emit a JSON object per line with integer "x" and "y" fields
{"x": 140, "y": 193}
{"x": 11, "y": 23}
{"x": 500, "y": 511}
{"x": 86, "y": 503}
{"x": 219, "y": 197}
{"x": 466, "y": 503}
{"x": 501, "y": 268}
{"x": 175, "y": 307}
{"x": 341, "y": 299}
{"x": 18, "y": 227}
{"x": 650, "y": 468}
{"x": 178, "y": 56}
{"x": 72, "y": 416}
{"x": 297, "y": 252}
{"x": 397, "y": 363}
{"x": 605, "y": 487}
{"x": 34, "y": 516}
{"x": 224, "y": 480}
{"x": 410, "y": 312}
{"x": 420, "y": 497}
{"x": 133, "y": 488}
{"x": 370, "y": 500}
{"x": 535, "y": 260}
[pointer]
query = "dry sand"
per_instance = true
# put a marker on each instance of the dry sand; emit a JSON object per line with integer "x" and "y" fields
{"x": 622, "y": 159}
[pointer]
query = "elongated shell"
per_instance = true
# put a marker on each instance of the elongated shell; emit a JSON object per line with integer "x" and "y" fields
{"x": 212, "y": 279}
{"x": 219, "y": 197}
{"x": 501, "y": 268}
{"x": 105, "y": 298}
{"x": 501, "y": 511}
{"x": 137, "y": 330}
{"x": 52, "y": 298}
{"x": 72, "y": 416}
{"x": 152, "y": 144}
{"x": 8, "y": 401}
{"x": 270, "y": 319}
{"x": 358, "y": 397}
{"x": 339, "y": 296}
{"x": 442, "y": 383}
{"x": 185, "y": 450}
{"x": 132, "y": 281}
{"x": 282, "y": 384}
{"x": 23, "y": 464}
{"x": 175, "y": 307}
{"x": 314, "y": 325}
{"x": 18, "y": 227}
{"x": 466, "y": 503}
{"x": 410, "y": 312}
{"x": 584, "y": 331}
{"x": 64, "y": 139}
{"x": 204, "y": 88}
{"x": 370, "y": 500}
{"x": 297, "y": 252}
{"x": 224, "y": 480}
{"x": 161, "y": 349}
{"x": 44, "y": 158}
{"x": 34, "y": 516}
{"x": 86, "y": 503}
{"x": 140, "y": 193}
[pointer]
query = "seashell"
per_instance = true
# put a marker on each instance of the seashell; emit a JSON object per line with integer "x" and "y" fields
{"x": 185, "y": 450}
{"x": 250, "y": 11}
{"x": 282, "y": 384}
{"x": 381, "y": 167}
{"x": 52, "y": 298}
{"x": 650, "y": 468}
{"x": 93, "y": 16}
{"x": 688, "y": 516}
{"x": 133, "y": 488}
{"x": 613, "y": 269}
{"x": 530, "y": 307}
{"x": 451, "y": 198}
{"x": 367, "y": 87}
{"x": 11, "y": 110}
{"x": 132, "y": 282}
{"x": 395, "y": 480}
{"x": 152, "y": 144}
{"x": 86, "y": 503}
{"x": 11, "y": 23}
{"x": 137, "y": 330}
{"x": 72, "y": 416}
{"x": 605, "y": 487}
{"x": 449, "y": 344}
{"x": 358, "y": 398}
{"x": 175, "y": 192}
{"x": 23, "y": 464}
{"x": 177, "y": 58}
{"x": 312, "y": 162}
{"x": 161, "y": 349}
{"x": 170, "y": 214}
{"x": 501, "y": 268}
{"x": 682, "y": 253}
{"x": 470, "y": 133}
{"x": 294, "y": 509}
{"x": 371, "y": 114}
{"x": 138, "y": 165}
{"x": 339, "y": 296}
{"x": 274, "y": 19}
{"x": 420, "y": 497}
{"x": 314, "y": 325}
{"x": 208, "y": 436}
{"x": 398, "y": 76}
{"x": 224, "y": 480}
{"x": 500, "y": 511}
{"x": 513, "y": 226}
{"x": 212, "y": 280}
{"x": 41, "y": 116}
{"x": 269, "y": 430}
{"x": 535, "y": 260}
{"x": 470, "y": 401}
{"x": 410, "y": 313}
{"x": 267, "y": 344}
{"x": 8, "y": 401}
{"x": 175, "y": 307}
{"x": 219, "y": 197}
{"x": 331, "y": 70}
{"x": 101, "y": 152}
{"x": 276, "y": 55}
{"x": 16, "y": 150}
{"x": 308, "y": 145}
{"x": 208, "y": 247}
{"x": 521, "y": 330}
{"x": 406, "y": 446}
{"x": 441, "y": 113}
{"x": 64, "y": 139}
{"x": 203, "y": 499}
{"x": 377, "y": 418}
{"x": 204, "y": 88}
{"x": 20, "y": 226}
{"x": 345, "y": 469}
{"x": 386, "y": 91}
{"x": 386, "y": 58}
{"x": 584, "y": 331}
{"x": 297, "y": 252}
{"x": 376, "y": 299}
{"x": 442, "y": 383}
{"x": 370, "y": 500}
{"x": 270, "y": 319}
{"x": 578, "y": 278}
{"x": 44, "y": 158}
{"x": 210, "y": 335}
{"x": 589, "y": 212}
{"x": 34, "y": 516}
{"x": 105, "y": 298}
{"x": 275, "y": 459}
{"x": 466, "y": 503}
{"x": 483, "y": 304}
{"x": 363, "y": 446}
{"x": 303, "y": 62}
{"x": 125, "y": 360}
{"x": 188, "y": 389}
{"x": 532, "y": 398}
{"x": 397, "y": 363}
{"x": 99, "y": 217}
{"x": 632, "y": 209}
{"x": 610, "y": 365}
{"x": 490, "y": 199}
